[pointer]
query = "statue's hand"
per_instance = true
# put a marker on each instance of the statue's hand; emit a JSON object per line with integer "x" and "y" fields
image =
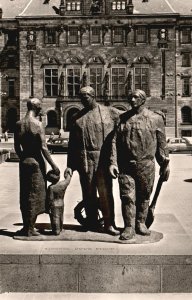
{"x": 56, "y": 170}
{"x": 68, "y": 172}
{"x": 164, "y": 171}
{"x": 114, "y": 171}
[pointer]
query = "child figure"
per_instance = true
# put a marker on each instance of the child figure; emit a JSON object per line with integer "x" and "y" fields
{"x": 55, "y": 200}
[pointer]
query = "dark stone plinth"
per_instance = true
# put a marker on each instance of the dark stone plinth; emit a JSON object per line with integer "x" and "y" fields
{"x": 76, "y": 233}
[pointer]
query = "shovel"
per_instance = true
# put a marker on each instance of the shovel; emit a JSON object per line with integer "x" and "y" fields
{"x": 150, "y": 215}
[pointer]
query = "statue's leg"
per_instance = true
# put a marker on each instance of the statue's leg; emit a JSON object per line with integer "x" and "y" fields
{"x": 56, "y": 217}
{"x": 127, "y": 194}
{"x": 144, "y": 186}
{"x": 106, "y": 201}
{"x": 88, "y": 186}
{"x": 31, "y": 230}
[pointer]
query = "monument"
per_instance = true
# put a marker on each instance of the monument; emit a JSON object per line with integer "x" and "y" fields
{"x": 31, "y": 148}
{"x": 139, "y": 138}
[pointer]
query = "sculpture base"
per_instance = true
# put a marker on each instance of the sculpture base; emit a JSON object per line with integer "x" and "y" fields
{"x": 76, "y": 233}
{"x": 90, "y": 262}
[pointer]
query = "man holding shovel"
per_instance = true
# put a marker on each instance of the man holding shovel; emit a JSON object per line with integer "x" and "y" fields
{"x": 139, "y": 139}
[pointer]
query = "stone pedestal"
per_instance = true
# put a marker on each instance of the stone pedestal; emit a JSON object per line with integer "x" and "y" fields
{"x": 98, "y": 265}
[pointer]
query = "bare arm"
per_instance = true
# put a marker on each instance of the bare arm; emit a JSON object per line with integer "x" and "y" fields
{"x": 17, "y": 145}
{"x": 113, "y": 168}
{"x": 46, "y": 153}
{"x": 162, "y": 151}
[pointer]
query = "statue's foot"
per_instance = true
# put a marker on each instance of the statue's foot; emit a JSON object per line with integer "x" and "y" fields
{"x": 32, "y": 232}
{"x": 127, "y": 234}
{"x": 21, "y": 232}
{"x": 56, "y": 232}
{"x": 95, "y": 226}
{"x": 25, "y": 232}
{"x": 142, "y": 229}
{"x": 111, "y": 230}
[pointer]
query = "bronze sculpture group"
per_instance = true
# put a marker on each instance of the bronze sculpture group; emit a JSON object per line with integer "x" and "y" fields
{"x": 104, "y": 143}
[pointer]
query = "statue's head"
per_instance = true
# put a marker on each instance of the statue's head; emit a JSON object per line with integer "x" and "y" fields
{"x": 137, "y": 98}
{"x": 35, "y": 105}
{"x": 52, "y": 177}
{"x": 87, "y": 96}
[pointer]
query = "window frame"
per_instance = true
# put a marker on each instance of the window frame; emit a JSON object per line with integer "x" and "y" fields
{"x": 115, "y": 7}
{"x": 188, "y": 59}
{"x": 145, "y": 35}
{"x": 186, "y": 115}
{"x": 140, "y": 86}
{"x": 52, "y": 95}
{"x": 11, "y": 94}
{"x": 73, "y": 67}
{"x": 188, "y": 41}
{"x": 77, "y": 37}
{"x": 116, "y": 28}
{"x": 97, "y": 83}
{"x": 118, "y": 83}
{"x": 188, "y": 85}
{"x": 46, "y": 36}
{"x": 99, "y": 35}
{"x": 73, "y": 4}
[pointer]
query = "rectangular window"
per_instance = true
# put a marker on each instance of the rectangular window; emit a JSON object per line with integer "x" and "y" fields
{"x": 186, "y": 87}
{"x": 186, "y": 59}
{"x": 11, "y": 87}
{"x": 142, "y": 79}
{"x": 11, "y": 61}
{"x": 73, "y": 5}
{"x": 50, "y": 36}
{"x": 73, "y": 82}
{"x": 96, "y": 35}
{"x": 51, "y": 82}
{"x": 118, "y": 5}
{"x": 96, "y": 80}
{"x": 12, "y": 38}
{"x": 118, "y": 35}
{"x": 141, "y": 35}
{"x": 186, "y": 36}
{"x": 118, "y": 82}
{"x": 73, "y": 35}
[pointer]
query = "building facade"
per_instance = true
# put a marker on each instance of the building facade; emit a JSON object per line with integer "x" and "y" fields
{"x": 51, "y": 48}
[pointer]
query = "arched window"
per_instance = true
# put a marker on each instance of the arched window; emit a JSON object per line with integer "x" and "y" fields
{"x": 51, "y": 119}
{"x": 11, "y": 119}
{"x": 70, "y": 114}
{"x": 186, "y": 114}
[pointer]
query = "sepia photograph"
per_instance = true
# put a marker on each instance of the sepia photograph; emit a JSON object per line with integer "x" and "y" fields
{"x": 96, "y": 149}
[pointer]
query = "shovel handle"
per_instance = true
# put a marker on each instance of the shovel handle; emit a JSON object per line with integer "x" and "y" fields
{"x": 158, "y": 188}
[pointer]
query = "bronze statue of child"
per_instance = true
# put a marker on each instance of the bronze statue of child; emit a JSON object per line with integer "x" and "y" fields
{"x": 55, "y": 200}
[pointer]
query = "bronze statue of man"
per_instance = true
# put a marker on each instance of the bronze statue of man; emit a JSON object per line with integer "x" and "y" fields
{"x": 139, "y": 138}
{"x": 30, "y": 146}
{"x": 88, "y": 153}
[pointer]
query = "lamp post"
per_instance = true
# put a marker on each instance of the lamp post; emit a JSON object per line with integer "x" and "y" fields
{"x": 176, "y": 102}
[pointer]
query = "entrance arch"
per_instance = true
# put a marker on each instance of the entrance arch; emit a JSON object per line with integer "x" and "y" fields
{"x": 11, "y": 119}
{"x": 51, "y": 118}
{"x": 70, "y": 114}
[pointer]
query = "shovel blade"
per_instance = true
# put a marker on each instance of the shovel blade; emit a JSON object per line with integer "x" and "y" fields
{"x": 150, "y": 217}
